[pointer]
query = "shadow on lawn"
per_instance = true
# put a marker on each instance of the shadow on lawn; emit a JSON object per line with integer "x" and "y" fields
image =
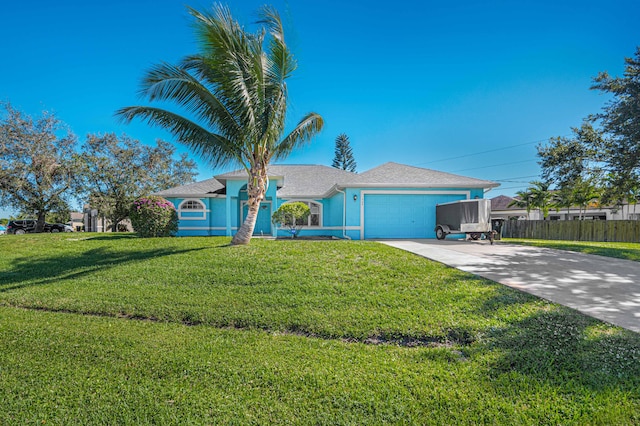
{"x": 617, "y": 252}
{"x": 564, "y": 348}
{"x": 27, "y": 272}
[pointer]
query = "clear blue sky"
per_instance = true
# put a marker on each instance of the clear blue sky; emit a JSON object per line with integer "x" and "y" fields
{"x": 452, "y": 86}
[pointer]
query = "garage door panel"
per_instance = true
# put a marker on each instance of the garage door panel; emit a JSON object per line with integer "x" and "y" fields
{"x": 402, "y": 215}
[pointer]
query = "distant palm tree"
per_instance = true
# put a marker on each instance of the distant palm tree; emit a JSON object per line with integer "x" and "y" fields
{"x": 632, "y": 198}
{"x": 541, "y": 197}
{"x": 522, "y": 201}
{"x": 584, "y": 193}
{"x": 563, "y": 198}
{"x": 234, "y": 97}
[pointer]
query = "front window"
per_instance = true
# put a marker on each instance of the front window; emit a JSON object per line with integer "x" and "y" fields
{"x": 314, "y": 215}
{"x": 192, "y": 210}
{"x": 192, "y": 205}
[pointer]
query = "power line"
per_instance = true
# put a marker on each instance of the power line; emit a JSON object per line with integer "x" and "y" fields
{"x": 493, "y": 165}
{"x": 487, "y": 151}
{"x": 482, "y": 152}
{"x": 508, "y": 187}
{"x": 512, "y": 179}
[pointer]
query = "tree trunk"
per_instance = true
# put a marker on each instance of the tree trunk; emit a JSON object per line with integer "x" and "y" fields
{"x": 256, "y": 189}
{"x": 40, "y": 221}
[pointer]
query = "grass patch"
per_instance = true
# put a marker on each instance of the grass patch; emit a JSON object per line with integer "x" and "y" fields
{"x": 629, "y": 251}
{"x": 121, "y": 330}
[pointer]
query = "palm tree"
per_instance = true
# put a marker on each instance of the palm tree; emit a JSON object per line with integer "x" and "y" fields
{"x": 563, "y": 198}
{"x": 632, "y": 198}
{"x": 522, "y": 201}
{"x": 584, "y": 193}
{"x": 234, "y": 93}
{"x": 541, "y": 197}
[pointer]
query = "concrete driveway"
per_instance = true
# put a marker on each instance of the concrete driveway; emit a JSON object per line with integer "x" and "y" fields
{"x": 603, "y": 287}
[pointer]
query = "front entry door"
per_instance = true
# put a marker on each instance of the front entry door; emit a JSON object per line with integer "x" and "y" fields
{"x": 263, "y": 222}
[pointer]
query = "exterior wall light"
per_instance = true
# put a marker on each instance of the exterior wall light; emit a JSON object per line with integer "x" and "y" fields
{"x": 355, "y": 197}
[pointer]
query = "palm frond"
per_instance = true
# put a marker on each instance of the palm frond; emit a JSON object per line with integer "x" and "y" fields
{"x": 214, "y": 148}
{"x": 306, "y": 129}
{"x": 167, "y": 82}
{"x": 237, "y": 55}
{"x": 280, "y": 60}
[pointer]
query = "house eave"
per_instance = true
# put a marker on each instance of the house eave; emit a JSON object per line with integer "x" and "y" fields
{"x": 302, "y": 196}
{"x": 201, "y": 195}
{"x": 341, "y": 186}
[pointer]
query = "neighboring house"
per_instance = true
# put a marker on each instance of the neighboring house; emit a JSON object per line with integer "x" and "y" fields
{"x": 500, "y": 210}
{"x": 389, "y": 201}
{"x": 77, "y": 221}
{"x": 94, "y": 222}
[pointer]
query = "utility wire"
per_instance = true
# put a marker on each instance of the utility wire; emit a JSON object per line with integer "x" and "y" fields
{"x": 493, "y": 165}
{"x": 487, "y": 151}
{"x": 512, "y": 179}
{"x": 481, "y": 152}
{"x": 508, "y": 187}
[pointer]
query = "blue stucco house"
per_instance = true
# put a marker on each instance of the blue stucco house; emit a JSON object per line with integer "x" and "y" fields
{"x": 389, "y": 201}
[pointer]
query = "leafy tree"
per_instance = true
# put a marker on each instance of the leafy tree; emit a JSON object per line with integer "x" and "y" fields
{"x": 59, "y": 214}
{"x": 567, "y": 160}
{"x": 294, "y": 215}
{"x": 234, "y": 94}
{"x": 607, "y": 146}
{"x": 344, "y": 154}
{"x": 115, "y": 171}
{"x": 37, "y": 168}
{"x": 620, "y": 121}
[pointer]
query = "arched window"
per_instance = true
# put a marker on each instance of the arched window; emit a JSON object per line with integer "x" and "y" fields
{"x": 192, "y": 210}
{"x": 192, "y": 205}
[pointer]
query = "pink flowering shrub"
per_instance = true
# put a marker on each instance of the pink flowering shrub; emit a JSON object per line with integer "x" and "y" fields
{"x": 153, "y": 216}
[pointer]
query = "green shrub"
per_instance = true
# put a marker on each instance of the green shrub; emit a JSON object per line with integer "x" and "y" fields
{"x": 153, "y": 216}
{"x": 293, "y": 215}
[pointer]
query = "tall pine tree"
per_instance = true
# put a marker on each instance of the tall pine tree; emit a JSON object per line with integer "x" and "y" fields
{"x": 344, "y": 155}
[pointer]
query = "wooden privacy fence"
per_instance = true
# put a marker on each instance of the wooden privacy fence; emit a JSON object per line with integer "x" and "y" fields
{"x": 623, "y": 231}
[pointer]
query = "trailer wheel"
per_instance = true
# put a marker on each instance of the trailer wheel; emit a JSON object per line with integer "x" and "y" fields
{"x": 440, "y": 234}
{"x": 475, "y": 235}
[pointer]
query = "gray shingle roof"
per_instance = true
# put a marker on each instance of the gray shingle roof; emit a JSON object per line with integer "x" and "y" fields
{"x": 311, "y": 181}
{"x": 315, "y": 181}
{"x": 399, "y": 175}
{"x": 209, "y": 186}
{"x": 501, "y": 202}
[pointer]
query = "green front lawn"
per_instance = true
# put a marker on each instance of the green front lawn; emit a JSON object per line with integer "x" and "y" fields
{"x": 115, "y": 329}
{"x": 629, "y": 251}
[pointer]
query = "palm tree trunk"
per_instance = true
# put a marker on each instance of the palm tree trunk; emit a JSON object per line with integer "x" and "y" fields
{"x": 256, "y": 189}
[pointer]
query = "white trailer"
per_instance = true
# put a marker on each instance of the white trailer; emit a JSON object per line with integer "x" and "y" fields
{"x": 471, "y": 217}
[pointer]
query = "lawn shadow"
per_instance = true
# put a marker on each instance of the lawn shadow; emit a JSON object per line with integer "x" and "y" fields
{"x": 563, "y": 347}
{"x": 616, "y": 252}
{"x": 110, "y": 236}
{"x": 28, "y": 272}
